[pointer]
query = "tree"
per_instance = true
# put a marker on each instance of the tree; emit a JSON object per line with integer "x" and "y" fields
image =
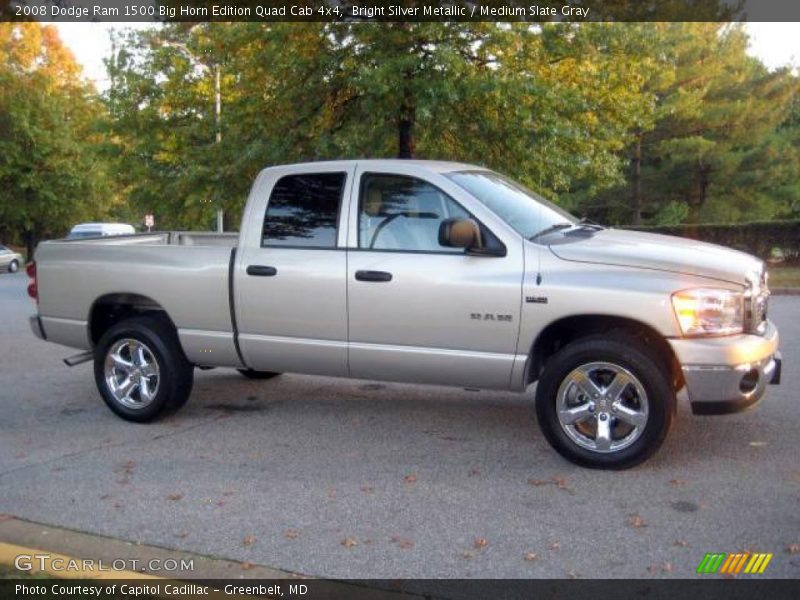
{"x": 708, "y": 150}
{"x": 51, "y": 173}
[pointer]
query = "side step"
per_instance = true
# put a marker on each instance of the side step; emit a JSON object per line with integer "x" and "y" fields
{"x": 79, "y": 358}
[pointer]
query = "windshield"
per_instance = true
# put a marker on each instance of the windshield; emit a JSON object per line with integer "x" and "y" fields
{"x": 527, "y": 212}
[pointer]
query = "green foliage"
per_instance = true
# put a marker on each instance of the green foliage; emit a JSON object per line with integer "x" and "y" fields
{"x": 52, "y": 174}
{"x": 659, "y": 123}
{"x": 718, "y": 141}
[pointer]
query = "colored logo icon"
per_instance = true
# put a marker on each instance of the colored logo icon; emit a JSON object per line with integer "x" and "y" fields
{"x": 733, "y": 564}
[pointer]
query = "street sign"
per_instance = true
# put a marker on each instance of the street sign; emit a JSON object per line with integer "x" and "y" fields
{"x": 149, "y": 221}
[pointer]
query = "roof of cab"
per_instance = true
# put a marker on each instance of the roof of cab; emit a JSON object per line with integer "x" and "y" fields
{"x": 438, "y": 166}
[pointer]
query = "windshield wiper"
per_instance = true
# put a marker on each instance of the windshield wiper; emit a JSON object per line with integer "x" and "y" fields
{"x": 551, "y": 229}
{"x": 586, "y": 222}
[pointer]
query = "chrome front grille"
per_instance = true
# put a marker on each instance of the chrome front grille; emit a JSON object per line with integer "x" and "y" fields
{"x": 756, "y": 306}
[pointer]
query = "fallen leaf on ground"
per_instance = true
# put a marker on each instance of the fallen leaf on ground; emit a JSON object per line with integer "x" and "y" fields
{"x": 402, "y": 542}
{"x": 681, "y": 543}
{"x": 537, "y": 482}
{"x": 246, "y": 566}
{"x": 560, "y": 481}
{"x": 410, "y": 478}
{"x": 677, "y": 482}
{"x": 349, "y": 543}
{"x": 367, "y": 489}
{"x": 554, "y": 545}
{"x": 474, "y": 471}
{"x": 291, "y": 534}
{"x": 531, "y": 556}
{"x": 249, "y": 540}
{"x": 5, "y": 517}
{"x": 467, "y": 555}
{"x": 480, "y": 543}
{"x": 636, "y": 521}
{"x": 793, "y": 548}
{"x": 758, "y": 444}
{"x": 573, "y": 574}
{"x": 665, "y": 567}
{"x": 175, "y": 497}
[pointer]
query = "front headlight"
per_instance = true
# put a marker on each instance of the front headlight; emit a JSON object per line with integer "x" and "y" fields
{"x": 708, "y": 311}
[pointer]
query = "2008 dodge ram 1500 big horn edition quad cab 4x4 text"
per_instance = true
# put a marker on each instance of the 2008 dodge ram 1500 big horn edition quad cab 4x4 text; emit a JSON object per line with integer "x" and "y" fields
{"x": 424, "y": 272}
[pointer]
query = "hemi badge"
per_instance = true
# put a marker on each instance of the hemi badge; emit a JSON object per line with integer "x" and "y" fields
{"x": 536, "y": 299}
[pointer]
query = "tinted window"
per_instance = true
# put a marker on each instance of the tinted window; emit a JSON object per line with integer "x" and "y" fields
{"x": 404, "y": 213}
{"x": 303, "y": 210}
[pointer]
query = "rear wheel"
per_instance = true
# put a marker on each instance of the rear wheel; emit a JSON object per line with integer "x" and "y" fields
{"x": 605, "y": 401}
{"x": 13, "y": 266}
{"x": 251, "y": 374}
{"x": 140, "y": 369}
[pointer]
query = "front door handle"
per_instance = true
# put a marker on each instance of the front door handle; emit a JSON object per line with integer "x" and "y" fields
{"x": 373, "y": 276}
{"x": 261, "y": 271}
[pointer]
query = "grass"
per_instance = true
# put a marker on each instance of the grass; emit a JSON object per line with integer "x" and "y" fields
{"x": 784, "y": 277}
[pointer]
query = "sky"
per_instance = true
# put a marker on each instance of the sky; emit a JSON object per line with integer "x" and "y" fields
{"x": 776, "y": 44}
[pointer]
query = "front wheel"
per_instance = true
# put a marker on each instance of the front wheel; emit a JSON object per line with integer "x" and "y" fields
{"x": 13, "y": 267}
{"x": 605, "y": 401}
{"x": 140, "y": 369}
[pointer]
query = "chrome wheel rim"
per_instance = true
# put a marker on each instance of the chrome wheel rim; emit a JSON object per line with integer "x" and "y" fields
{"x": 132, "y": 373}
{"x": 602, "y": 407}
{"x": 14, "y": 266}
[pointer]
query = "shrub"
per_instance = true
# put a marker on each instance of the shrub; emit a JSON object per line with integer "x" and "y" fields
{"x": 765, "y": 239}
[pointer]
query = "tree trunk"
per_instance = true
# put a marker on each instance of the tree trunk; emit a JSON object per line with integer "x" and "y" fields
{"x": 30, "y": 243}
{"x": 407, "y": 118}
{"x": 697, "y": 198}
{"x": 636, "y": 181}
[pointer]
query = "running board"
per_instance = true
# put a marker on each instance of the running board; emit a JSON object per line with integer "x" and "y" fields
{"x": 79, "y": 358}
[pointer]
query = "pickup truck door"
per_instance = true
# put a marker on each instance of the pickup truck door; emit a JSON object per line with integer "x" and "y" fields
{"x": 290, "y": 281}
{"x": 420, "y": 312}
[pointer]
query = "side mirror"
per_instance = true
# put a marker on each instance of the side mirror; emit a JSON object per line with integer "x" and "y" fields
{"x": 460, "y": 233}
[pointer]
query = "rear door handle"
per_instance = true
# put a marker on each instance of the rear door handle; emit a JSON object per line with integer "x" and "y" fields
{"x": 373, "y": 276}
{"x": 261, "y": 271}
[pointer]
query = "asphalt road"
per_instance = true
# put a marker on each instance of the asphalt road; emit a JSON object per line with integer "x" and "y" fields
{"x": 358, "y": 479}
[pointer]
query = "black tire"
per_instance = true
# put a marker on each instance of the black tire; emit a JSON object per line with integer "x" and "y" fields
{"x": 175, "y": 373}
{"x": 251, "y": 374}
{"x": 13, "y": 266}
{"x": 624, "y": 351}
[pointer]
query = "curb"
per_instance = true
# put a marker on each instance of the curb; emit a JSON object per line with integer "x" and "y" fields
{"x": 785, "y": 291}
{"x": 28, "y": 538}
{"x": 18, "y": 536}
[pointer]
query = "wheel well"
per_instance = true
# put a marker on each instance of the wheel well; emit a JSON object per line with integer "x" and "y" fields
{"x": 110, "y": 309}
{"x": 560, "y": 333}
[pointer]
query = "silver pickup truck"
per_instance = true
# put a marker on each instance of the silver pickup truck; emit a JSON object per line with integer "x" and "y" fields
{"x": 424, "y": 272}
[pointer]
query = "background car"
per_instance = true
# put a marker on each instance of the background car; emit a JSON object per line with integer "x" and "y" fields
{"x": 90, "y": 230}
{"x": 9, "y": 260}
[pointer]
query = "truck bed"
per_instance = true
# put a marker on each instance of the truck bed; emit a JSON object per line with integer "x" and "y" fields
{"x": 184, "y": 273}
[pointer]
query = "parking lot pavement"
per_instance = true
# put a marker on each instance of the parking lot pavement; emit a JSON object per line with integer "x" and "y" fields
{"x": 359, "y": 479}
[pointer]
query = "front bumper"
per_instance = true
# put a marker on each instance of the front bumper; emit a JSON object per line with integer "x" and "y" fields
{"x": 728, "y": 374}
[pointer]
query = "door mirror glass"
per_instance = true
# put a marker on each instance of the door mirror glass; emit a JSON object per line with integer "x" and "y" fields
{"x": 460, "y": 233}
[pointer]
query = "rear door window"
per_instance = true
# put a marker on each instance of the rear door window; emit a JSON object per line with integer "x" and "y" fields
{"x": 303, "y": 211}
